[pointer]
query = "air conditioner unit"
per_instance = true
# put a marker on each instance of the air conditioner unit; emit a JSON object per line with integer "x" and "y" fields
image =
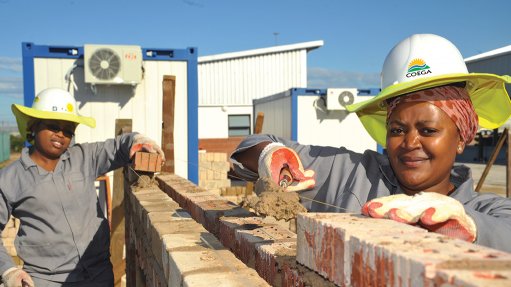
{"x": 338, "y": 99}
{"x": 112, "y": 64}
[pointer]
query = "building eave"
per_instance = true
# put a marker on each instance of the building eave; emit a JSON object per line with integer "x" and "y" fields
{"x": 262, "y": 51}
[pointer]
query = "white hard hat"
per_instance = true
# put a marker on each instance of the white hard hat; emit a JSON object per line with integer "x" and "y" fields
{"x": 421, "y": 56}
{"x": 51, "y": 104}
{"x": 425, "y": 61}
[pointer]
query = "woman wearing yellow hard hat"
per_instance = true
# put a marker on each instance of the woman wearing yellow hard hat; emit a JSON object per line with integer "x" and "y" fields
{"x": 63, "y": 235}
{"x": 429, "y": 109}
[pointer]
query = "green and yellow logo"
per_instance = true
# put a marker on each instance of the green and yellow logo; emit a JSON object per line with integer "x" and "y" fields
{"x": 417, "y": 67}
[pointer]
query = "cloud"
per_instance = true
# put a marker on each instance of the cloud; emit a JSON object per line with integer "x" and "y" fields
{"x": 11, "y": 87}
{"x": 10, "y": 64}
{"x": 326, "y": 78}
{"x": 11, "y": 92}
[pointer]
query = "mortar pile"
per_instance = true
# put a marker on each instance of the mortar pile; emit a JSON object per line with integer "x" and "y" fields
{"x": 273, "y": 200}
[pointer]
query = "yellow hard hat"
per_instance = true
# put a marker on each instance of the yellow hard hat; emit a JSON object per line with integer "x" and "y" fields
{"x": 49, "y": 104}
{"x": 424, "y": 61}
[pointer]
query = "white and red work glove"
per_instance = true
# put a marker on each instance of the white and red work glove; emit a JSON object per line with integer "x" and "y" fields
{"x": 15, "y": 277}
{"x": 433, "y": 211}
{"x": 143, "y": 143}
{"x": 284, "y": 167}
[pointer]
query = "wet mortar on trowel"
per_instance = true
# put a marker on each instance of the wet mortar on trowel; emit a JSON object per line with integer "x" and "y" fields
{"x": 274, "y": 201}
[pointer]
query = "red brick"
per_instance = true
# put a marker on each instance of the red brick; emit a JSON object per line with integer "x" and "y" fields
{"x": 148, "y": 162}
{"x": 268, "y": 260}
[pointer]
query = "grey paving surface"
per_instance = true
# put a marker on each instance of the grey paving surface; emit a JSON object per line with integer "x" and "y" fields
{"x": 495, "y": 180}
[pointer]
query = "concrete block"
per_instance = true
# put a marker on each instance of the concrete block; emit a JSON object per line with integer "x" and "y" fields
{"x": 158, "y": 230}
{"x": 200, "y": 260}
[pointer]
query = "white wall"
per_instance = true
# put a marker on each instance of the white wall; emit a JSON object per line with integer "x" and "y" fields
{"x": 330, "y": 128}
{"x": 213, "y": 120}
{"x": 315, "y": 124}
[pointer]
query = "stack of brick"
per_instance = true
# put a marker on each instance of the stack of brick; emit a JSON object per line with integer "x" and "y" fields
{"x": 166, "y": 247}
{"x": 8, "y": 236}
{"x": 353, "y": 250}
{"x": 213, "y": 168}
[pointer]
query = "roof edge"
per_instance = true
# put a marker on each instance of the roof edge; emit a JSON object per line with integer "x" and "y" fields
{"x": 276, "y": 49}
{"x": 489, "y": 54}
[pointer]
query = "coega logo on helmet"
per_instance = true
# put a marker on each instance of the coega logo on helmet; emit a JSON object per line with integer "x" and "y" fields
{"x": 417, "y": 67}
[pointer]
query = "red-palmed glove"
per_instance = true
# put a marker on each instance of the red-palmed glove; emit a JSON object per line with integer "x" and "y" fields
{"x": 433, "y": 211}
{"x": 282, "y": 163}
{"x": 144, "y": 143}
{"x": 15, "y": 277}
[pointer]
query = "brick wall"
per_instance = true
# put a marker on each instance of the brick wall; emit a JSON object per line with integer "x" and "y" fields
{"x": 213, "y": 168}
{"x": 179, "y": 234}
{"x": 166, "y": 247}
{"x": 263, "y": 244}
{"x": 353, "y": 250}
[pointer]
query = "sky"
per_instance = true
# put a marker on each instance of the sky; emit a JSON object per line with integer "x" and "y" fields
{"x": 357, "y": 34}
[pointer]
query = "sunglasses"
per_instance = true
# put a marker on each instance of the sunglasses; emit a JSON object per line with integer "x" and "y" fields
{"x": 68, "y": 132}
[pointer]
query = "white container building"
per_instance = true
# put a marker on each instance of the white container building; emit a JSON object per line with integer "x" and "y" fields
{"x": 135, "y": 92}
{"x": 317, "y": 117}
{"x": 229, "y": 82}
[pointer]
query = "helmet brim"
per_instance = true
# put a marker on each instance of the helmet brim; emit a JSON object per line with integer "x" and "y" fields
{"x": 487, "y": 92}
{"x": 25, "y": 114}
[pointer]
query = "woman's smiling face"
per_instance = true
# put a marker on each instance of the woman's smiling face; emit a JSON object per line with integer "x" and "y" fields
{"x": 52, "y": 137}
{"x": 422, "y": 143}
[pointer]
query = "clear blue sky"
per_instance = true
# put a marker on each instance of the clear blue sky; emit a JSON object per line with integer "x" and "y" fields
{"x": 357, "y": 34}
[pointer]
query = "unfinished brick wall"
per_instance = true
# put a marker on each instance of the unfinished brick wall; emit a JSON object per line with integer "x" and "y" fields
{"x": 166, "y": 247}
{"x": 179, "y": 234}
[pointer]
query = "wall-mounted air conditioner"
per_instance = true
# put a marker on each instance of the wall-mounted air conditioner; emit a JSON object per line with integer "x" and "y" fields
{"x": 338, "y": 99}
{"x": 112, "y": 64}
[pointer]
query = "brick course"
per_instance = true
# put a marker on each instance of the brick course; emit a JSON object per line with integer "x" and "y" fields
{"x": 353, "y": 250}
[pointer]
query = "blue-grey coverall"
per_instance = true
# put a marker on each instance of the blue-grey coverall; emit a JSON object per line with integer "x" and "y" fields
{"x": 63, "y": 234}
{"x": 345, "y": 180}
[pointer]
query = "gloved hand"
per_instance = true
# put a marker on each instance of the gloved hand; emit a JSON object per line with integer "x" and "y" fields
{"x": 433, "y": 211}
{"x": 283, "y": 165}
{"x": 143, "y": 143}
{"x": 15, "y": 277}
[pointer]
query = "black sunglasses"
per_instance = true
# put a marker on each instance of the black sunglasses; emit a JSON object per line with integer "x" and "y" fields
{"x": 66, "y": 131}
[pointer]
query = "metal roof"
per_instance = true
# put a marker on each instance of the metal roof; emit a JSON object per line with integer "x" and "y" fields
{"x": 256, "y": 52}
{"x": 489, "y": 54}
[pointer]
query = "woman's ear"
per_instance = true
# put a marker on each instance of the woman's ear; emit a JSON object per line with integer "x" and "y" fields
{"x": 461, "y": 147}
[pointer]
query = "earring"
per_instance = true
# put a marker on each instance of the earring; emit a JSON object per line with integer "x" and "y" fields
{"x": 459, "y": 148}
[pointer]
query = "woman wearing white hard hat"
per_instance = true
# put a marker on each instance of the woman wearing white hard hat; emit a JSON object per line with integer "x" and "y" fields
{"x": 63, "y": 235}
{"x": 428, "y": 110}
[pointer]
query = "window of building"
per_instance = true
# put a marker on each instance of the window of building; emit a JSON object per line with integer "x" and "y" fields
{"x": 239, "y": 125}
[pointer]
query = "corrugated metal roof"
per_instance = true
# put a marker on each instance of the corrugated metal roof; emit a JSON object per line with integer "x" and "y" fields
{"x": 255, "y": 52}
{"x": 489, "y": 54}
{"x": 238, "y": 78}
